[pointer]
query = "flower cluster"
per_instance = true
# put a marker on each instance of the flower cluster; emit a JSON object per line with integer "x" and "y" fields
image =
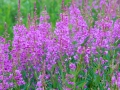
{"x": 77, "y": 54}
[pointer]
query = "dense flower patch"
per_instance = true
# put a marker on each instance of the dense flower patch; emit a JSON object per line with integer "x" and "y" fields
{"x": 79, "y": 54}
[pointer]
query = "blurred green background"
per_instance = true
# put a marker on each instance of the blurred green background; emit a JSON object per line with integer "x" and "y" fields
{"x": 9, "y": 9}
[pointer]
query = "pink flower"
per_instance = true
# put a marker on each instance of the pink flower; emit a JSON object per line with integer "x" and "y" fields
{"x": 80, "y": 50}
{"x": 113, "y": 79}
{"x": 118, "y": 82}
{"x": 72, "y": 66}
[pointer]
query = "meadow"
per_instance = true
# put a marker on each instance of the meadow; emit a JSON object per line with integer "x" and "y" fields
{"x": 60, "y": 45}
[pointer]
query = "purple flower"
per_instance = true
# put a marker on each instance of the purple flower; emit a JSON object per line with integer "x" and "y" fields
{"x": 39, "y": 84}
{"x": 97, "y": 71}
{"x": 18, "y": 78}
{"x": 118, "y": 80}
{"x": 80, "y": 50}
{"x": 86, "y": 59}
{"x": 85, "y": 70}
{"x": 113, "y": 80}
{"x": 71, "y": 83}
{"x": 76, "y": 57}
{"x": 72, "y": 66}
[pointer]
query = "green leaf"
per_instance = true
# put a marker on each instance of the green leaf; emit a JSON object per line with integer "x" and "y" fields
{"x": 81, "y": 83}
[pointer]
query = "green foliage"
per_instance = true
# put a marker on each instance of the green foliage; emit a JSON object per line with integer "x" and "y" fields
{"x": 9, "y": 10}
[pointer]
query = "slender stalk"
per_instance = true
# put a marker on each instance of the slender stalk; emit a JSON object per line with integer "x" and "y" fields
{"x": 19, "y": 12}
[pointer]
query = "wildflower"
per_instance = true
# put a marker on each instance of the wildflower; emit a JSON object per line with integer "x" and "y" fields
{"x": 113, "y": 79}
{"x": 72, "y": 66}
